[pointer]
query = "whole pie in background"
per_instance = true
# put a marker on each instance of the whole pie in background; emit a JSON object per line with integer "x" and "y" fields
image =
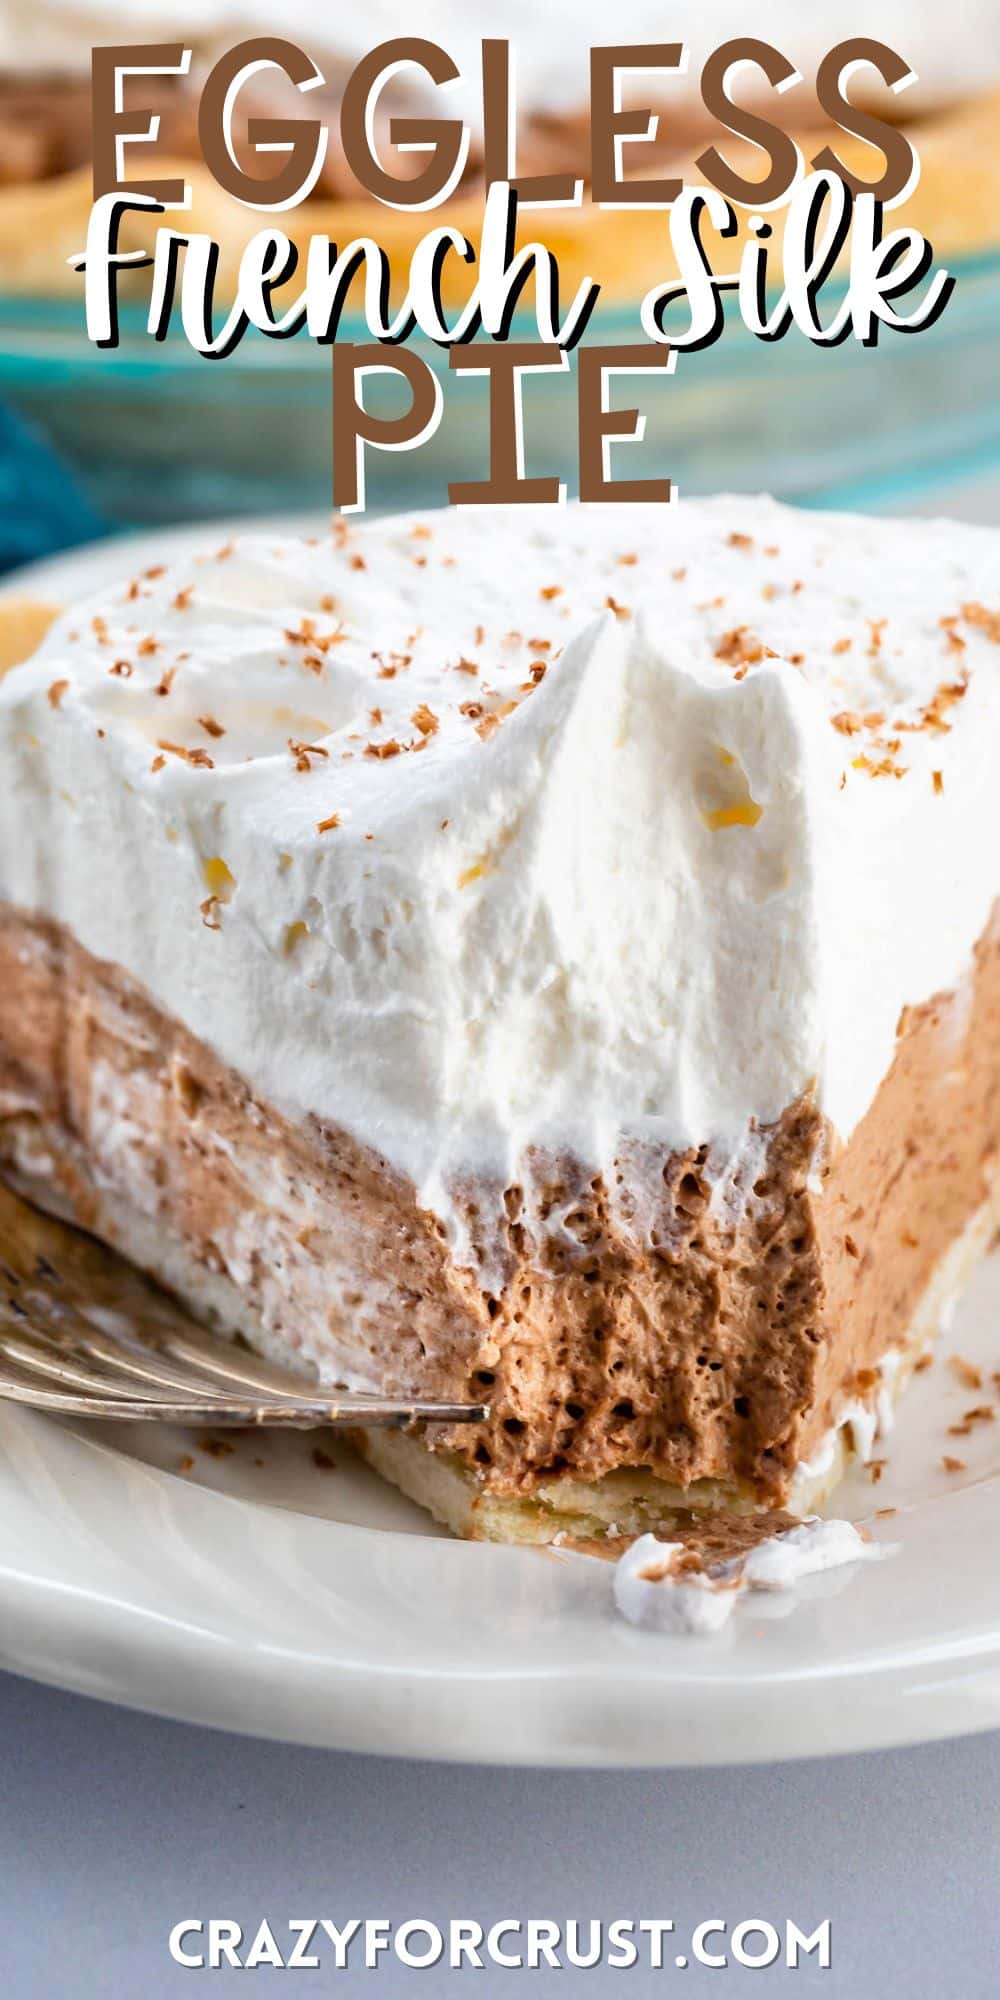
{"x": 45, "y": 184}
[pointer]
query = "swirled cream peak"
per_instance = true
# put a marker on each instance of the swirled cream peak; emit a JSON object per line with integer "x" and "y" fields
{"x": 499, "y": 828}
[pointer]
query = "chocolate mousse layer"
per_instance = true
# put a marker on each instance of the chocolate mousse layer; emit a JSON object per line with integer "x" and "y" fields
{"x": 701, "y": 1319}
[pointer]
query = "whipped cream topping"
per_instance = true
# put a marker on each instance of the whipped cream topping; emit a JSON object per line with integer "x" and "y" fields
{"x": 654, "y": 1588}
{"x": 651, "y": 1589}
{"x": 531, "y": 828}
{"x": 951, "y": 50}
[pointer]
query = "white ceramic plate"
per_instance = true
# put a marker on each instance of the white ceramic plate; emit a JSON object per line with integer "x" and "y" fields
{"x": 260, "y": 1591}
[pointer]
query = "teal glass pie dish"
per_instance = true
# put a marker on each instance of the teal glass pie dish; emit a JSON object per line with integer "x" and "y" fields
{"x": 152, "y": 433}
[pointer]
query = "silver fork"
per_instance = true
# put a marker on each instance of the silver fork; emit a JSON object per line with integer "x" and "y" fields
{"x": 84, "y": 1334}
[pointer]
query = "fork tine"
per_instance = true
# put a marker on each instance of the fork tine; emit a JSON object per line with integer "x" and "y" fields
{"x": 84, "y": 1334}
{"x": 166, "y": 1346}
{"x": 224, "y": 1361}
{"x": 72, "y": 1335}
{"x": 181, "y": 1342}
{"x": 124, "y": 1356}
{"x": 65, "y": 1385}
{"x": 62, "y": 1366}
{"x": 152, "y": 1336}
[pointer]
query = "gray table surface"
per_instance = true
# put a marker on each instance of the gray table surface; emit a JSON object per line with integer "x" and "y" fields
{"x": 113, "y": 1826}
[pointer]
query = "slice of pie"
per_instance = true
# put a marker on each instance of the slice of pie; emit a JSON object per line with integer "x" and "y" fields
{"x": 545, "y": 956}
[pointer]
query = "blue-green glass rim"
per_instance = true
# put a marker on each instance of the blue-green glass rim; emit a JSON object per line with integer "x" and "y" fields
{"x": 57, "y": 326}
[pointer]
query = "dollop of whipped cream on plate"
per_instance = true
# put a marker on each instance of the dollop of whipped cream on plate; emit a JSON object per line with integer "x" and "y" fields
{"x": 661, "y": 1587}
